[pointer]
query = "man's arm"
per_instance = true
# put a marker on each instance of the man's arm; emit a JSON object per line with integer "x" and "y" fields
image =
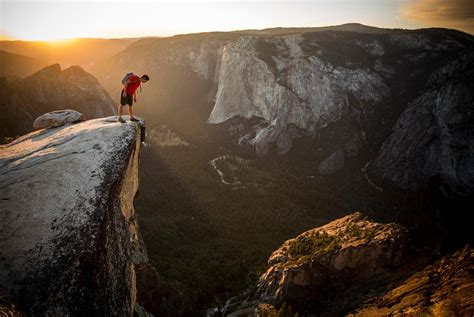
{"x": 135, "y": 96}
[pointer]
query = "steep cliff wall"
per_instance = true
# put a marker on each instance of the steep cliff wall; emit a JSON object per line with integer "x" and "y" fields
{"x": 69, "y": 237}
{"x": 278, "y": 80}
{"x": 433, "y": 137}
{"x": 306, "y": 78}
{"x": 339, "y": 91}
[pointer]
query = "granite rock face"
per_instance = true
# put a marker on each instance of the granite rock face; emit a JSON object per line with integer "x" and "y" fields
{"x": 323, "y": 259}
{"x": 278, "y": 80}
{"x": 433, "y": 137}
{"x": 57, "y": 118}
{"x": 342, "y": 87}
{"x": 69, "y": 238}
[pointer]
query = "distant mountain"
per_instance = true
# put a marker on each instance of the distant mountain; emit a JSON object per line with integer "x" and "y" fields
{"x": 339, "y": 89}
{"x": 50, "y": 89}
{"x": 83, "y": 52}
{"x": 18, "y": 65}
{"x": 347, "y": 27}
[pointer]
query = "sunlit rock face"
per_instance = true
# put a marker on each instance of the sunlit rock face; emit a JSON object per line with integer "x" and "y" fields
{"x": 433, "y": 138}
{"x": 445, "y": 288}
{"x": 51, "y": 89}
{"x": 323, "y": 259}
{"x": 354, "y": 266}
{"x": 69, "y": 237}
{"x": 276, "y": 79}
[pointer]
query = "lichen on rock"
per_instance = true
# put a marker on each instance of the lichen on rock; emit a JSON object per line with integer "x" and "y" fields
{"x": 322, "y": 260}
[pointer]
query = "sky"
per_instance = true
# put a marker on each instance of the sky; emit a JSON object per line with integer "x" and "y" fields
{"x": 54, "y": 19}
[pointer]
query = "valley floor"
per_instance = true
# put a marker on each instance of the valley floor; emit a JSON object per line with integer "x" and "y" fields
{"x": 210, "y": 235}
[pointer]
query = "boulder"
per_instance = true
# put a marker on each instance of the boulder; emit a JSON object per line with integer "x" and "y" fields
{"x": 57, "y": 118}
{"x": 68, "y": 231}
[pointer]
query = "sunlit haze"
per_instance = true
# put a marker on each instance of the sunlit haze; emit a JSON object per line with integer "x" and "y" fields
{"x": 55, "y": 20}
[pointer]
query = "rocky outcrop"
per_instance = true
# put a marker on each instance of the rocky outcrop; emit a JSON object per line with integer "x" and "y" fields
{"x": 69, "y": 238}
{"x": 432, "y": 139}
{"x": 51, "y": 89}
{"x": 445, "y": 288}
{"x": 356, "y": 267}
{"x": 351, "y": 245}
{"x": 315, "y": 265}
{"x": 57, "y": 118}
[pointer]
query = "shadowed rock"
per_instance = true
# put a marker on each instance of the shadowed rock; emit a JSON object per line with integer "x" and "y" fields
{"x": 445, "y": 288}
{"x": 432, "y": 139}
{"x": 8, "y": 308}
{"x": 332, "y": 164}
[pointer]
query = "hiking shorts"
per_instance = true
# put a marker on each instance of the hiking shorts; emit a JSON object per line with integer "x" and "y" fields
{"x": 126, "y": 100}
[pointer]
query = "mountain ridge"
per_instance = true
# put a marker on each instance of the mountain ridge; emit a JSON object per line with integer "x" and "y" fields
{"x": 51, "y": 89}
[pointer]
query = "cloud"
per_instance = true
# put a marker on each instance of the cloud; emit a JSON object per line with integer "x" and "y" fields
{"x": 458, "y": 14}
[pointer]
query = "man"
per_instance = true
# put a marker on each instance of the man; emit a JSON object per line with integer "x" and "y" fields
{"x": 129, "y": 90}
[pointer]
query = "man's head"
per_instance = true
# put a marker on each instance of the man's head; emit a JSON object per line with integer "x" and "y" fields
{"x": 145, "y": 78}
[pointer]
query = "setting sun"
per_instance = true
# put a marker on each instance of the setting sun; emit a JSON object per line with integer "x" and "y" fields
{"x": 56, "y": 20}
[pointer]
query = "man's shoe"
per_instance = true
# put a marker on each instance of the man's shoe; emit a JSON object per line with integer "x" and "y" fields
{"x": 134, "y": 119}
{"x": 121, "y": 120}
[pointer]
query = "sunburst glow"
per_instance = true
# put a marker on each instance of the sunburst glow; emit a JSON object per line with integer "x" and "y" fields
{"x": 57, "y": 20}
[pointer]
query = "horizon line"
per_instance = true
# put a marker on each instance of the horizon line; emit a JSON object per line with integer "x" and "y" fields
{"x": 9, "y": 39}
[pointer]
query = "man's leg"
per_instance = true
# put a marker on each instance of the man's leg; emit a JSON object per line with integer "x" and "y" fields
{"x": 119, "y": 112}
{"x": 130, "y": 112}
